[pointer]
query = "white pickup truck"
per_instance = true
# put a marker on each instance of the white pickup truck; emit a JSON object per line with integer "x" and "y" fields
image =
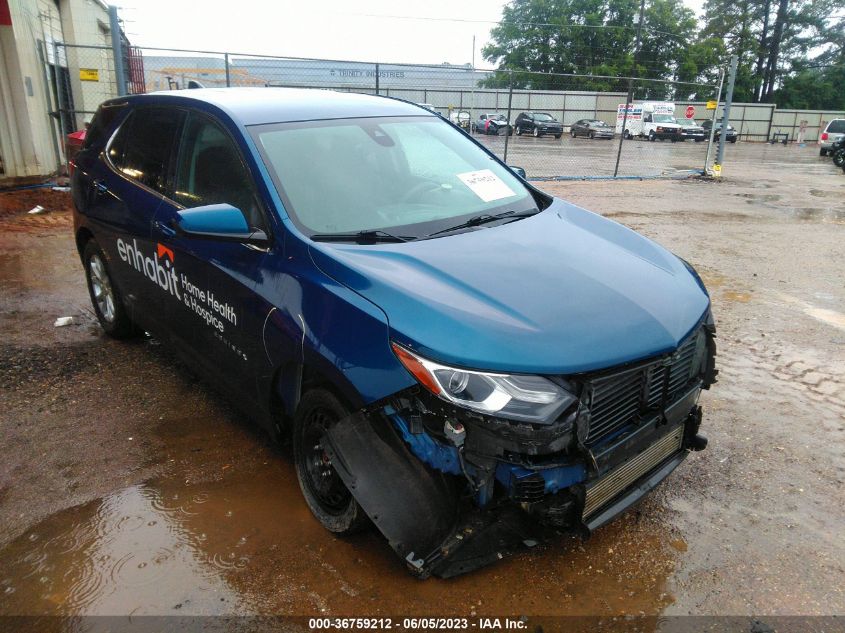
{"x": 649, "y": 119}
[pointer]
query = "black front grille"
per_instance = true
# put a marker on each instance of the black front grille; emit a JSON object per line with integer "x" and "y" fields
{"x": 629, "y": 396}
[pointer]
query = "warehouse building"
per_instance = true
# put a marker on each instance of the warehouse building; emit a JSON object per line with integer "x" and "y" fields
{"x": 48, "y": 86}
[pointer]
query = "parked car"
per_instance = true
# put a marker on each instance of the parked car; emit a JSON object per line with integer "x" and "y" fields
{"x": 538, "y": 124}
{"x": 730, "y": 134}
{"x": 591, "y": 128}
{"x": 492, "y": 123}
{"x": 690, "y": 130}
{"x": 837, "y": 151}
{"x": 832, "y": 132}
{"x": 367, "y": 281}
{"x": 461, "y": 118}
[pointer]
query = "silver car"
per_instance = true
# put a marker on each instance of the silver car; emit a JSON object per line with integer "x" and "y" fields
{"x": 834, "y": 131}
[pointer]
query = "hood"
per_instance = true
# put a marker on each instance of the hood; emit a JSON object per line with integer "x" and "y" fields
{"x": 562, "y": 292}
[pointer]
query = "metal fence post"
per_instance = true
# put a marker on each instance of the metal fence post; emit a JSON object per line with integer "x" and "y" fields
{"x": 630, "y": 96}
{"x": 377, "y": 88}
{"x": 228, "y": 77}
{"x": 508, "y": 123}
{"x": 117, "y": 51}
{"x": 726, "y": 113}
{"x": 713, "y": 122}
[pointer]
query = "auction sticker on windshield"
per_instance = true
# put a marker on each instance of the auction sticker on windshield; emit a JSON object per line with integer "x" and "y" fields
{"x": 486, "y": 185}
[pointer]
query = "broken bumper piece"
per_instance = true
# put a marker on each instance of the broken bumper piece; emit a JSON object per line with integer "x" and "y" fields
{"x": 445, "y": 515}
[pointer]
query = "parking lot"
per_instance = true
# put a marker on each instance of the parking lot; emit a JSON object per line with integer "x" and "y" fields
{"x": 129, "y": 487}
{"x": 547, "y": 157}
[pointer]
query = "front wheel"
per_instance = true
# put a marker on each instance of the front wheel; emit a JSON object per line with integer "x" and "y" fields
{"x": 732, "y": 140}
{"x": 536, "y": 132}
{"x": 327, "y": 496}
{"x": 592, "y": 135}
{"x": 105, "y": 298}
{"x": 557, "y": 136}
{"x": 652, "y": 136}
{"x": 518, "y": 131}
{"x": 572, "y": 133}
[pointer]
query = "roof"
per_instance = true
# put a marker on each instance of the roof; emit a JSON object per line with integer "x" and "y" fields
{"x": 252, "y": 106}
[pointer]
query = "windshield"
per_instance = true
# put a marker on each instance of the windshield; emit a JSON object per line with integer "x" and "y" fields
{"x": 497, "y": 117}
{"x": 408, "y": 175}
{"x": 598, "y": 123}
{"x": 685, "y": 122}
{"x": 663, "y": 118}
{"x": 542, "y": 116}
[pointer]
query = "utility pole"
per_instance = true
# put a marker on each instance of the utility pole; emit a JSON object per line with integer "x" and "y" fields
{"x": 630, "y": 96}
{"x": 726, "y": 114}
{"x": 117, "y": 51}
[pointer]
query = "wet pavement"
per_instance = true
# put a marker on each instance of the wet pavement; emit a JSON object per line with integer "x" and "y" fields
{"x": 127, "y": 486}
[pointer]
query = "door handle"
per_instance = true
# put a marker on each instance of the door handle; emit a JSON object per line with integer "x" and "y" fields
{"x": 164, "y": 229}
{"x": 100, "y": 187}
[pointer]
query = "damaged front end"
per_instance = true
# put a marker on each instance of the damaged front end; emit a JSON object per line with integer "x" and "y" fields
{"x": 469, "y": 465}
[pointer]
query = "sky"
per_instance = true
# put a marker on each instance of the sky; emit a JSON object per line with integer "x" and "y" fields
{"x": 433, "y": 31}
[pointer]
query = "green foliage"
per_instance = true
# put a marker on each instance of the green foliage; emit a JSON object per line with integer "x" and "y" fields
{"x": 787, "y": 49}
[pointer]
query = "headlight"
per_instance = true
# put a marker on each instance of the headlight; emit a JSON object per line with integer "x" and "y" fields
{"x": 513, "y": 396}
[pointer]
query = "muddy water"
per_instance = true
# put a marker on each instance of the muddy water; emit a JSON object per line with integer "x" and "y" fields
{"x": 247, "y": 544}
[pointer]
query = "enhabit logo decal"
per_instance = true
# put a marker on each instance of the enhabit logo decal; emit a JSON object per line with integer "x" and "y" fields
{"x": 160, "y": 268}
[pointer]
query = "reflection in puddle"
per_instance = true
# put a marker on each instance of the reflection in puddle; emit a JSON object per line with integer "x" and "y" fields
{"x": 248, "y": 544}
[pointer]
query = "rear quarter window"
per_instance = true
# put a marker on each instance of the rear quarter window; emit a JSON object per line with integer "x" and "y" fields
{"x": 837, "y": 126}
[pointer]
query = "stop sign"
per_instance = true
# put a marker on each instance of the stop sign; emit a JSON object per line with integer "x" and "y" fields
{"x": 690, "y": 111}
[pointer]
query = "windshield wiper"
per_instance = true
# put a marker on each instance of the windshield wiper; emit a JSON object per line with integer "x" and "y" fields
{"x": 478, "y": 220}
{"x": 362, "y": 237}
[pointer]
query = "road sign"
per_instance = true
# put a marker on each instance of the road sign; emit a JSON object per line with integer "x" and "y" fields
{"x": 690, "y": 111}
{"x": 712, "y": 105}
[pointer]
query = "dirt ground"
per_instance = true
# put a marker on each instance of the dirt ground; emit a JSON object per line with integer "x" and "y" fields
{"x": 128, "y": 487}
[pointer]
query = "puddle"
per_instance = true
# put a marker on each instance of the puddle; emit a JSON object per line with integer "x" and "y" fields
{"x": 739, "y": 297}
{"x": 247, "y": 544}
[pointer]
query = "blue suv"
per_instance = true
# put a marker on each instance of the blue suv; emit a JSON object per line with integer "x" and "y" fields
{"x": 456, "y": 356}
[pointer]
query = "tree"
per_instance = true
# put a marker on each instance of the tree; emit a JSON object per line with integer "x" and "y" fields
{"x": 595, "y": 38}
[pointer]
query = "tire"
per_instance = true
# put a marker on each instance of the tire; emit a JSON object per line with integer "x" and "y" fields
{"x": 518, "y": 131}
{"x": 651, "y": 136}
{"x": 327, "y": 496}
{"x": 105, "y": 297}
{"x": 592, "y": 136}
{"x": 699, "y": 140}
{"x": 572, "y": 133}
{"x": 839, "y": 158}
{"x": 557, "y": 136}
{"x": 536, "y": 132}
{"x": 732, "y": 140}
{"x": 822, "y": 152}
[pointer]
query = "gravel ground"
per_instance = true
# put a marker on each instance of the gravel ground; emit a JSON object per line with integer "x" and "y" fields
{"x": 128, "y": 486}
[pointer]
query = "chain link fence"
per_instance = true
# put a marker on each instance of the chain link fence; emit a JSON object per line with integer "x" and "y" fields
{"x": 548, "y": 124}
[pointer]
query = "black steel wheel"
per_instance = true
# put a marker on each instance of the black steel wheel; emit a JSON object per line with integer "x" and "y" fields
{"x": 839, "y": 157}
{"x": 327, "y": 496}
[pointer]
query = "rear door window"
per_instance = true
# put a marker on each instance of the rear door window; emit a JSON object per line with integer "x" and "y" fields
{"x": 143, "y": 147}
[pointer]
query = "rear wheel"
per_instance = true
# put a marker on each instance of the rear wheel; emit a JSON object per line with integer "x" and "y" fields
{"x": 572, "y": 133}
{"x": 536, "y": 132}
{"x": 557, "y": 136}
{"x": 592, "y": 135}
{"x": 839, "y": 157}
{"x": 518, "y": 131}
{"x": 327, "y": 496}
{"x": 107, "y": 302}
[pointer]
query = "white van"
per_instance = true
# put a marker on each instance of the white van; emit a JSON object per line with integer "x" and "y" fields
{"x": 649, "y": 119}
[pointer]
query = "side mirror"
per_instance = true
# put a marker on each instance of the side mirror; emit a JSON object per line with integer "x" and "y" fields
{"x": 218, "y": 222}
{"x": 519, "y": 171}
